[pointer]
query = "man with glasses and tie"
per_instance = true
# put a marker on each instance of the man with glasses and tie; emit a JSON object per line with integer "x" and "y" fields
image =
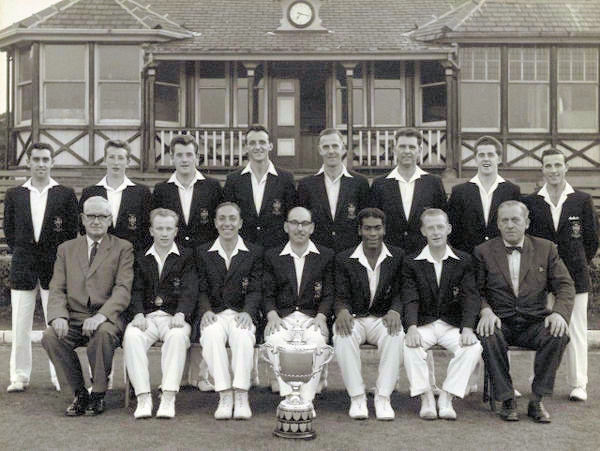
{"x": 89, "y": 292}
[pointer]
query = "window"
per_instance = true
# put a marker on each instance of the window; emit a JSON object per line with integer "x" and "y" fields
{"x": 64, "y": 83}
{"x": 260, "y": 107}
{"x": 212, "y": 94}
{"x": 341, "y": 97}
{"x": 432, "y": 82}
{"x": 388, "y": 94}
{"x": 577, "y": 89}
{"x": 480, "y": 88}
{"x": 24, "y": 84}
{"x": 528, "y": 88}
{"x": 167, "y": 93}
{"x": 240, "y": 107}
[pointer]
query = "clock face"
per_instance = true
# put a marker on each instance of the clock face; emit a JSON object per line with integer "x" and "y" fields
{"x": 301, "y": 14}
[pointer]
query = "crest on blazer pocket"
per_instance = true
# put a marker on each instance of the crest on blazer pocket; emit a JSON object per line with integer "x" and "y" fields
{"x": 277, "y": 207}
{"x": 245, "y": 283}
{"x": 176, "y": 282}
{"x": 351, "y": 211}
{"x": 318, "y": 289}
{"x": 455, "y": 292}
{"x": 576, "y": 227}
{"x": 58, "y": 224}
{"x": 132, "y": 221}
{"x": 388, "y": 291}
{"x": 204, "y": 217}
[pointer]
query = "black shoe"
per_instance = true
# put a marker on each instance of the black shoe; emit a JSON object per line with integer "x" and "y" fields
{"x": 79, "y": 404}
{"x": 96, "y": 405}
{"x": 509, "y": 410}
{"x": 538, "y": 412}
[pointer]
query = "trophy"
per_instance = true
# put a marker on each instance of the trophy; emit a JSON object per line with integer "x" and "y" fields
{"x": 299, "y": 362}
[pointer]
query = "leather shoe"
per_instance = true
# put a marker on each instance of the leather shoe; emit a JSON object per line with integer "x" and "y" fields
{"x": 79, "y": 404}
{"x": 509, "y": 410}
{"x": 538, "y": 412}
{"x": 95, "y": 406}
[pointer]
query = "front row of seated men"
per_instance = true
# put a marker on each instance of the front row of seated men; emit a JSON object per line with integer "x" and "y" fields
{"x": 226, "y": 283}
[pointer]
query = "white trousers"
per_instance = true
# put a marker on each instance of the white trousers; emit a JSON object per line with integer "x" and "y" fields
{"x": 577, "y": 349}
{"x": 313, "y": 338}
{"x": 370, "y": 330}
{"x": 23, "y": 306}
{"x": 214, "y": 339}
{"x": 460, "y": 367}
{"x": 173, "y": 353}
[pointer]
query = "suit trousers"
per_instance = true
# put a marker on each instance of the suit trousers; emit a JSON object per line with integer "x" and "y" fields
{"x": 23, "y": 306}
{"x": 577, "y": 349}
{"x": 214, "y": 339}
{"x": 100, "y": 351}
{"x": 460, "y": 367}
{"x": 528, "y": 334}
{"x": 313, "y": 338}
{"x": 136, "y": 342}
{"x": 370, "y": 330}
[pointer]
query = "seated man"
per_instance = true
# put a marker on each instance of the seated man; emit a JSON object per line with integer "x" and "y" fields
{"x": 515, "y": 272}
{"x": 442, "y": 305}
{"x": 163, "y": 298}
{"x": 230, "y": 293}
{"x": 367, "y": 307}
{"x": 89, "y": 293}
{"x": 298, "y": 291}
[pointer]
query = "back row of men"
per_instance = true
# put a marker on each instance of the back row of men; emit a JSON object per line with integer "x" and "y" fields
{"x": 42, "y": 214}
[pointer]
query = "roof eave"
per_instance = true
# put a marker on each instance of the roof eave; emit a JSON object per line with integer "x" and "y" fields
{"x": 516, "y": 38}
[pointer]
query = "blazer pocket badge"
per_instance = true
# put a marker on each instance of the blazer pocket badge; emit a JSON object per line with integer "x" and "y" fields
{"x": 576, "y": 227}
{"x": 158, "y": 301}
{"x": 132, "y": 221}
{"x": 351, "y": 211}
{"x": 58, "y": 224}
{"x": 388, "y": 291}
{"x": 455, "y": 292}
{"x": 204, "y": 216}
{"x": 245, "y": 283}
{"x": 318, "y": 289}
{"x": 277, "y": 207}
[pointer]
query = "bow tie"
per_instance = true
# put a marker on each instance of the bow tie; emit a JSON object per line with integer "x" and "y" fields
{"x": 511, "y": 249}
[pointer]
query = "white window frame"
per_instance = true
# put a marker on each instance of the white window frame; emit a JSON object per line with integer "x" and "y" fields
{"x": 336, "y": 90}
{"x": 181, "y": 92}
{"x": 19, "y": 87}
{"x": 418, "y": 93}
{"x": 372, "y": 89}
{"x": 197, "y": 102}
{"x": 236, "y": 89}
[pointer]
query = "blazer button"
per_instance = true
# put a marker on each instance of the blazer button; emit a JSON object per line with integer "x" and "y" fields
{"x": 257, "y": 227}
{"x": 487, "y": 238}
{"x": 297, "y": 308}
{"x": 187, "y": 238}
{"x": 405, "y": 233}
{"x": 333, "y": 233}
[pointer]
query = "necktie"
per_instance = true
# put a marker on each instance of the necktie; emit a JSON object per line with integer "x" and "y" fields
{"x": 511, "y": 249}
{"x": 93, "y": 252}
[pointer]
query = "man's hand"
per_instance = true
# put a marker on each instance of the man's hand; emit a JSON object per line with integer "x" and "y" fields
{"x": 320, "y": 323}
{"x": 274, "y": 323}
{"x": 392, "y": 321}
{"x": 91, "y": 324}
{"x": 61, "y": 327}
{"x": 208, "y": 318}
{"x": 178, "y": 320}
{"x": 413, "y": 337}
{"x": 139, "y": 321}
{"x": 488, "y": 323}
{"x": 243, "y": 320}
{"x": 557, "y": 324}
{"x": 344, "y": 323}
{"x": 467, "y": 337}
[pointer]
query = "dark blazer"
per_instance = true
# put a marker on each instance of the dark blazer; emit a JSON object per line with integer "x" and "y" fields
{"x": 177, "y": 285}
{"x": 280, "y": 288}
{"x": 465, "y": 212}
{"x": 238, "y": 288}
{"x": 265, "y": 229}
{"x": 205, "y": 199}
{"x": 352, "y": 285}
{"x": 32, "y": 261}
{"x": 133, "y": 220}
{"x": 401, "y": 231}
{"x": 541, "y": 271}
{"x": 341, "y": 232}
{"x": 577, "y": 234}
{"x": 455, "y": 301}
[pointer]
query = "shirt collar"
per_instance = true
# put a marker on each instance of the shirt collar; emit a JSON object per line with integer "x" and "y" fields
{"x": 546, "y": 195}
{"x": 270, "y": 170}
{"x": 396, "y": 175}
{"x": 287, "y": 250}
{"x": 30, "y": 187}
{"x": 197, "y": 176}
{"x": 359, "y": 253}
{"x": 426, "y": 254}
{"x": 121, "y": 187}
{"x": 519, "y": 244}
{"x": 344, "y": 173}
{"x": 239, "y": 246}
{"x": 90, "y": 242}
{"x": 152, "y": 251}
{"x": 476, "y": 180}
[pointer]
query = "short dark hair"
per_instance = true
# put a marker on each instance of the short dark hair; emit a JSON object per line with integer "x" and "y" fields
{"x": 228, "y": 204}
{"x": 409, "y": 132}
{"x": 553, "y": 151}
{"x": 257, "y": 128}
{"x": 370, "y": 212}
{"x": 433, "y": 212}
{"x": 489, "y": 140}
{"x": 164, "y": 212}
{"x": 119, "y": 144}
{"x": 184, "y": 140}
{"x": 40, "y": 146}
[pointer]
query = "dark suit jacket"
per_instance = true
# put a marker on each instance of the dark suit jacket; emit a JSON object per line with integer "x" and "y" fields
{"x": 577, "y": 234}
{"x": 106, "y": 284}
{"x": 238, "y": 288}
{"x": 541, "y": 271}
{"x": 352, "y": 285}
{"x": 341, "y": 232}
{"x": 280, "y": 288}
{"x": 177, "y": 285}
{"x": 133, "y": 220}
{"x": 265, "y": 229}
{"x": 400, "y": 231}
{"x": 456, "y": 300}
{"x": 465, "y": 212}
{"x": 201, "y": 227}
{"x": 32, "y": 261}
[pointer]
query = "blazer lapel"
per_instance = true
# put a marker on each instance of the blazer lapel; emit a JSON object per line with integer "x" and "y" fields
{"x": 448, "y": 268}
{"x": 235, "y": 264}
{"x": 269, "y": 186}
{"x": 526, "y": 260}
{"x": 169, "y": 263}
{"x": 429, "y": 271}
{"x": 564, "y": 213}
{"x": 290, "y": 271}
{"x": 103, "y": 251}
{"x": 395, "y": 194}
{"x": 307, "y": 271}
{"x": 50, "y": 202}
{"x": 384, "y": 275}
{"x": 499, "y": 254}
{"x": 82, "y": 254}
{"x": 26, "y": 205}
{"x": 416, "y": 201}
{"x": 475, "y": 199}
{"x": 322, "y": 194}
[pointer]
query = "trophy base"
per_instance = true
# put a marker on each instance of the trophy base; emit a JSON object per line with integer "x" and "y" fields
{"x": 295, "y": 421}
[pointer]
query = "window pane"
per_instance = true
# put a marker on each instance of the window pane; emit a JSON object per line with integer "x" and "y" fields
{"x": 212, "y": 106}
{"x": 577, "y": 107}
{"x": 64, "y": 100}
{"x": 432, "y": 72}
{"x": 25, "y": 103}
{"x": 358, "y": 107}
{"x": 387, "y": 70}
{"x": 286, "y": 111}
{"x": 388, "y": 107}
{"x": 242, "y": 106}
{"x": 25, "y": 64}
{"x": 168, "y": 72}
{"x": 119, "y": 62}
{"x": 119, "y": 101}
{"x": 480, "y": 105}
{"x": 166, "y": 103}
{"x": 64, "y": 62}
{"x": 434, "y": 103}
{"x": 212, "y": 69}
{"x": 528, "y": 106}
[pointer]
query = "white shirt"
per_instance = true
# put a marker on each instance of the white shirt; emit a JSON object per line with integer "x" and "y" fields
{"x": 37, "y": 203}
{"x": 372, "y": 274}
{"x": 258, "y": 186}
{"x": 299, "y": 259}
{"x": 332, "y": 187}
{"x": 152, "y": 251}
{"x": 486, "y": 196}
{"x": 556, "y": 210}
{"x": 90, "y": 244}
{"x": 217, "y": 247}
{"x": 437, "y": 266}
{"x": 407, "y": 187}
{"x": 514, "y": 265}
{"x": 114, "y": 196}
{"x": 186, "y": 193}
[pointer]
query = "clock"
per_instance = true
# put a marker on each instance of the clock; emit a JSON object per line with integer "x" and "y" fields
{"x": 301, "y": 14}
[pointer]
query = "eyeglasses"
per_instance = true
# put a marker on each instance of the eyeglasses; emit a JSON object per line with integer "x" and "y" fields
{"x": 92, "y": 218}
{"x": 296, "y": 224}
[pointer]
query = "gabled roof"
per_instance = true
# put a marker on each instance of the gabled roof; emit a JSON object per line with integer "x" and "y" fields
{"x": 499, "y": 20}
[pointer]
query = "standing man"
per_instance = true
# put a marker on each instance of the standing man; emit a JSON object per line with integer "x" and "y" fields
{"x": 368, "y": 306}
{"x": 230, "y": 296}
{"x": 165, "y": 288}
{"x": 264, "y": 193}
{"x": 515, "y": 273}
{"x": 129, "y": 203}
{"x": 334, "y": 195}
{"x": 567, "y": 217}
{"x": 38, "y": 216}
{"x": 406, "y": 192}
{"x": 89, "y": 293}
{"x": 442, "y": 304}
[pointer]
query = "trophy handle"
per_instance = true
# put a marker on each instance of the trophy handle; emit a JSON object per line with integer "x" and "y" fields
{"x": 326, "y": 349}
{"x": 267, "y": 349}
